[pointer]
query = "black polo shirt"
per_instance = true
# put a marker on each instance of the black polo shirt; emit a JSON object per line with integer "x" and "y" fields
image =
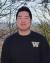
{"x": 32, "y": 48}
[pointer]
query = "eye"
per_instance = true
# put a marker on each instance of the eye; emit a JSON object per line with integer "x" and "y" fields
{"x": 26, "y": 18}
{"x": 19, "y": 17}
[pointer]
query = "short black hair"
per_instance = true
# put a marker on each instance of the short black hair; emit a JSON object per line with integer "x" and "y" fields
{"x": 24, "y": 8}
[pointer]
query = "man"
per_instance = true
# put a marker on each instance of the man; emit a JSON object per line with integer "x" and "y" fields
{"x": 25, "y": 46}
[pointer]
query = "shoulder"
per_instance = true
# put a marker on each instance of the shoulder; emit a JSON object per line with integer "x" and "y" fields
{"x": 9, "y": 40}
{"x": 39, "y": 36}
{"x": 36, "y": 34}
{"x": 11, "y": 36}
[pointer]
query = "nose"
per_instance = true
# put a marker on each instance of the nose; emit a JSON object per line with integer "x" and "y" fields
{"x": 23, "y": 20}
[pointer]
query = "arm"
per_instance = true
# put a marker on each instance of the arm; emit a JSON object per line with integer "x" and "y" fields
{"x": 5, "y": 56}
{"x": 49, "y": 56}
{"x": 44, "y": 50}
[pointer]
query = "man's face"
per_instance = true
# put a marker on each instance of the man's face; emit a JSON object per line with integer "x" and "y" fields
{"x": 23, "y": 20}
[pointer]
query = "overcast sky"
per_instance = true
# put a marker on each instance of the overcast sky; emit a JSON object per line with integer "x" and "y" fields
{"x": 34, "y": 6}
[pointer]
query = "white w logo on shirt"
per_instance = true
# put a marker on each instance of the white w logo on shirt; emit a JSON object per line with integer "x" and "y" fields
{"x": 35, "y": 44}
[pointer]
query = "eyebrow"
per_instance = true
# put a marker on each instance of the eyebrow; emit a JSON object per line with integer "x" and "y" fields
{"x": 21, "y": 16}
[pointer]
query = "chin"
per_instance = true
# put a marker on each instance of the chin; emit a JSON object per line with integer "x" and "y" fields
{"x": 24, "y": 29}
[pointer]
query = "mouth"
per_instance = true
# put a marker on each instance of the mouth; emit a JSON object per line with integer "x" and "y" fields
{"x": 23, "y": 24}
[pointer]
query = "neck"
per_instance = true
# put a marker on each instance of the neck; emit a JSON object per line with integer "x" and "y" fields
{"x": 24, "y": 33}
